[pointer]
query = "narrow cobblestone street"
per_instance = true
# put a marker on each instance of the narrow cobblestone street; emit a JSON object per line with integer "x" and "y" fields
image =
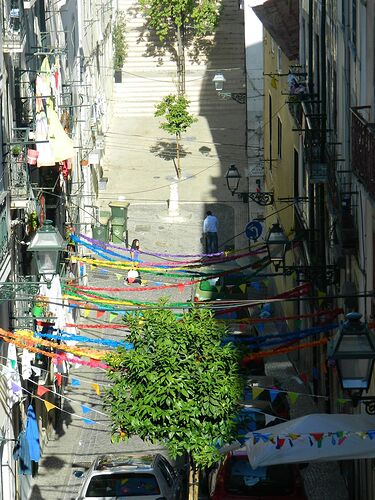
{"x": 76, "y": 444}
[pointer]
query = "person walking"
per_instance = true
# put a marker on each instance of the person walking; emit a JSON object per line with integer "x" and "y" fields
{"x": 210, "y": 226}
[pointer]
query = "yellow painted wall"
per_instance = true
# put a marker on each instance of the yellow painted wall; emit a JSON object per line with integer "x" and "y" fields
{"x": 279, "y": 173}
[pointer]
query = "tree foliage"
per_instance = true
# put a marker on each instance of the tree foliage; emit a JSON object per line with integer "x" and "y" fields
{"x": 175, "y": 110}
{"x": 179, "y": 386}
{"x": 167, "y": 17}
{"x": 119, "y": 41}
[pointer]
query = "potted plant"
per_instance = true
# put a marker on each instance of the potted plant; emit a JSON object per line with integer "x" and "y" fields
{"x": 40, "y": 306}
{"x": 119, "y": 45}
{"x": 32, "y": 222}
{"x": 16, "y": 151}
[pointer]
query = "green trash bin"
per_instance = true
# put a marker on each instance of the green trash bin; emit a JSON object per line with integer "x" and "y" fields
{"x": 119, "y": 221}
{"x": 119, "y": 210}
{"x": 101, "y": 231}
{"x": 118, "y": 230}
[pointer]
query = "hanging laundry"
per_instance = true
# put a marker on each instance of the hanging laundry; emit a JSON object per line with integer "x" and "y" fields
{"x": 21, "y": 452}
{"x": 32, "y": 435}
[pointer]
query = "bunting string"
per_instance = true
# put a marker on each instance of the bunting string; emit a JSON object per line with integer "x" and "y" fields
{"x": 214, "y": 258}
{"x": 93, "y": 363}
{"x": 155, "y": 254}
{"x": 26, "y": 336}
{"x": 282, "y": 350}
{"x": 334, "y": 438}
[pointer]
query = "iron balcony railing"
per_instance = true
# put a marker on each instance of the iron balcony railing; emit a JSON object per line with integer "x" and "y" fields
{"x": 19, "y": 180}
{"x": 363, "y": 148}
{"x": 14, "y": 30}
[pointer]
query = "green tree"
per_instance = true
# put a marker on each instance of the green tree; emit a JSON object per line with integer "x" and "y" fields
{"x": 178, "y": 386}
{"x": 176, "y": 20}
{"x": 174, "y": 108}
{"x": 119, "y": 41}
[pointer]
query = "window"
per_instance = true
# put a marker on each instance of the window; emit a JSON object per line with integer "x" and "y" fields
{"x": 279, "y": 60}
{"x": 279, "y": 138}
{"x": 122, "y": 484}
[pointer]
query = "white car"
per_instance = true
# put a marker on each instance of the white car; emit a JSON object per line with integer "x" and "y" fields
{"x": 130, "y": 477}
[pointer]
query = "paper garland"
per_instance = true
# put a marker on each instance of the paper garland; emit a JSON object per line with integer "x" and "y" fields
{"x": 281, "y": 350}
{"x": 27, "y": 338}
{"x": 311, "y": 438}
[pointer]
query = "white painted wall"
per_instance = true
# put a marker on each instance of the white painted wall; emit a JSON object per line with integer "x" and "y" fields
{"x": 254, "y": 74}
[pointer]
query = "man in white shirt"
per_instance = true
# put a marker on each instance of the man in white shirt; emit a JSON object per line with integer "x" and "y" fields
{"x": 210, "y": 225}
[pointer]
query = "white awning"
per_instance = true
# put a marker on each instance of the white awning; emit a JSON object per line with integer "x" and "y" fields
{"x": 317, "y": 437}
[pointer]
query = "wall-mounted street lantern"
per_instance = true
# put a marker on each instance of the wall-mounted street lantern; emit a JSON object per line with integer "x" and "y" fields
{"x": 233, "y": 178}
{"x": 219, "y": 80}
{"x": 353, "y": 350}
{"x": 46, "y": 244}
{"x": 277, "y": 244}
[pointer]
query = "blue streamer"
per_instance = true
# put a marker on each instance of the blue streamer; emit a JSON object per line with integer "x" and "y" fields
{"x": 64, "y": 336}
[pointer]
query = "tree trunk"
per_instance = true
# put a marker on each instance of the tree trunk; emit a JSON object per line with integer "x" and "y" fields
{"x": 193, "y": 480}
{"x": 180, "y": 62}
{"x": 178, "y": 159}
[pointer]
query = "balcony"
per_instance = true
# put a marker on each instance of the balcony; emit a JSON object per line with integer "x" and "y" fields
{"x": 14, "y": 33}
{"x": 19, "y": 182}
{"x": 363, "y": 148}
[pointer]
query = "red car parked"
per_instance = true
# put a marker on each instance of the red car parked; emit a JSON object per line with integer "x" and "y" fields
{"x": 235, "y": 479}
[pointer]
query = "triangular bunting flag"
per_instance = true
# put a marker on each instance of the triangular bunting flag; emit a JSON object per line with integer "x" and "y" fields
{"x": 13, "y": 363}
{"x": 99, "y": 314}
{"x": 41, "y": 390}
{"x": 243, "y": 287}
{"x": 49, "y": 405}
{"x": 96, "y": 388}
{"x": 181, "y": 287}
{"x": 273, "y": 394}
{"x": 75, "y": 382}
{"x": 293, "y": 396}
{"x": 342, "y": 401}
{"x": 85, "y": 409}
{"x": 89, "y": 421}
{"x": 16, "y": 387}
{"x": 371, "y": 434}
{"x": 257, "y": 391}
{"x": 218, "y": 288}
{"x": 280, "y": 443}
{"x": 36, "y": 370}
{"x": 268, "y": 418}
{"x": 86, "y": 313}
{"x": 58, "y": 378}
{"x": 318, "y": 436}
{"x": 118, "y": 276}
{"x": 112, "y": 316}
{"x": 304, "y": 378}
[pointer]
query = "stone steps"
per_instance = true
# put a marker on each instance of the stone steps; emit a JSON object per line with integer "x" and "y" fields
{"x": 147, "y": 77}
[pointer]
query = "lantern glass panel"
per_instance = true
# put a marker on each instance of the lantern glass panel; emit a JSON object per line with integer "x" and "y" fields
{"x": 47, "y": 261}
{"x": 355, "y": 373}
{"x": 355, "y": 344}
